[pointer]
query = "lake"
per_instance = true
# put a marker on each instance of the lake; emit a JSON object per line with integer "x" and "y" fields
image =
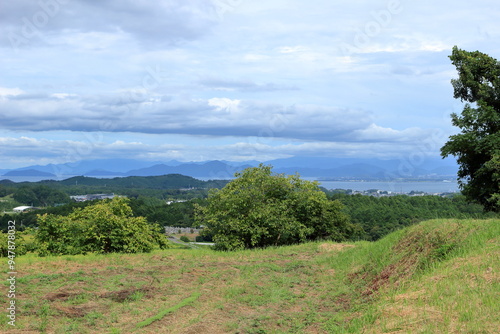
{"x": 399, "y": 187}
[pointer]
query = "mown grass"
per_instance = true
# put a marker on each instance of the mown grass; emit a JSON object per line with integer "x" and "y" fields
{"x": 440, "y": 276}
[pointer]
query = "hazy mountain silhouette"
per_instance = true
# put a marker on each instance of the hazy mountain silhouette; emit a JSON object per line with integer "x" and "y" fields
{"x": 313, "y": 167}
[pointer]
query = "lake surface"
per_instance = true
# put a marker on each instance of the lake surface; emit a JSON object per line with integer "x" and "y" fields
{"x": 399, "y": 187}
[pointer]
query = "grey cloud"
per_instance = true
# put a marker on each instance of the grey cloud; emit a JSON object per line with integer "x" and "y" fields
{"x": 243, "y": 85}
{"x": 216, "y": 117}
{"x": 152, "y": 23}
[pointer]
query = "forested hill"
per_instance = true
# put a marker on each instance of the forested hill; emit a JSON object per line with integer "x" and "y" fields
{"x": 170, "y": 181}
{"x": 50, "y": 192}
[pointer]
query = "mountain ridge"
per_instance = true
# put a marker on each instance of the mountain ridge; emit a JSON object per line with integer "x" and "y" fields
{"x": 314, "y": 167}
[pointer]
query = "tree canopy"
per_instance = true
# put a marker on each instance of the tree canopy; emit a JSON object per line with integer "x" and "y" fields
{"x": 40, "y": 195}
{"x": 477, "y": 146}
{"x": 260, "y": 208}
{"x": 105, "y": 227}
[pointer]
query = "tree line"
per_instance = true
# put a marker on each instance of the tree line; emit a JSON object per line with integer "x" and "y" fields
{"x": 379, "y": 216}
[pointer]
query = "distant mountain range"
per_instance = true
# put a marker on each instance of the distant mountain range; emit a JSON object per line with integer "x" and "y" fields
{"x": 28, "y": 172}
{"x": 311, "y": 167}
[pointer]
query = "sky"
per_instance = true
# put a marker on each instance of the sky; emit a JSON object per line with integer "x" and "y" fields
{"x": 237, "y": 80}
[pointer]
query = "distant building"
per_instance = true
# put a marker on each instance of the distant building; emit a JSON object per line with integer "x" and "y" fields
{"x": 181, "y": 230}
{"x": 24, "y": 208}
{"x": 175, "y": 201}
{"x": 91, "y": 197}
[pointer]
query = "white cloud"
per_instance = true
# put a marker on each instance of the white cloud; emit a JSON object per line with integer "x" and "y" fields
{"x": 224, "y": 104}
{"x": 63, "y": 96}
{"x": 292, "y": 49}
{"x": 5, "y": 92}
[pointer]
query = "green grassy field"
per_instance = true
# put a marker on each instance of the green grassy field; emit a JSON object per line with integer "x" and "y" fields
{"x": 7, "y": 203}
{"x": 440, "y": 276}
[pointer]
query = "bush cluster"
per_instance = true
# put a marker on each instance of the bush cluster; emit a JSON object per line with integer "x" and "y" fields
{"x": 105, "y": 227}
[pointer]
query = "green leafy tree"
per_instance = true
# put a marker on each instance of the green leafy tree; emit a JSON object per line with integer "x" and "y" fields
{"x": 26, "y": 196}
{"x": 477, "y": 147}
{"x": 58, "y": 235}
{"x": 105, "y": 227}
{"x": 23, "y": 243}
{"x": 260, "y": 208}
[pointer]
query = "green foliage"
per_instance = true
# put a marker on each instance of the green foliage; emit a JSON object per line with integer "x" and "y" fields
{"x": 7, "y": 204}
{"x": 4, "y": 221}
{"x": 171, "y": 181}
{"x": 381, "y": 216}
{"x": 105, "y": 227}
{"x": 180, "y": 214}
{"x": 40, "y": 195}
{"x": 203, "y": 237}
{"x": 21, "y": 242}
{"x": 477, "y": 147}
{"x": 260, "y": 208}
{"x": 184, "y": 238}
{"x": 17, "y": 245}
{"x": 4, "y": 191}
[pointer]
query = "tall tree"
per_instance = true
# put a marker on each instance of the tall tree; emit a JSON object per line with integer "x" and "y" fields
{"x": 260, "y": 208}
{"x": 477, "y": 147}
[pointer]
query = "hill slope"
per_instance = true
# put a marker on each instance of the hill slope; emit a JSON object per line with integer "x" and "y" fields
{"x": 440, "y": 276}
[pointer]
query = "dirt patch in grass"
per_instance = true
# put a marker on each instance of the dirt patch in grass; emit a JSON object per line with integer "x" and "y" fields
{"x": 73, "y": 311}
{"x": 121, "y": 296}
{"x": 51, "y": 297}
{"x": 65, "y": 293}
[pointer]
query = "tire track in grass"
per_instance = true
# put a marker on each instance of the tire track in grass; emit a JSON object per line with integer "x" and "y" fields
{"x": 174, "y": 308}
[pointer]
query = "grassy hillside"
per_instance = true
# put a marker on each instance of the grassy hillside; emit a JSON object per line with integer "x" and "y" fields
{"x": 440, "y": 276}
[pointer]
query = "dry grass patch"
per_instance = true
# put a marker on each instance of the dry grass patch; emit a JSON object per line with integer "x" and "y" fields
{"x": 331, "y": 247}
{"x": 406, "y": 319}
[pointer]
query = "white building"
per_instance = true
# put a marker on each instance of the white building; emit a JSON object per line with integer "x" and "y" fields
{"x": 23, "y": 208}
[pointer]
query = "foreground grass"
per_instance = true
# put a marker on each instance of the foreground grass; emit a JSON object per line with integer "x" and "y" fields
{"x": 440, "y": 276}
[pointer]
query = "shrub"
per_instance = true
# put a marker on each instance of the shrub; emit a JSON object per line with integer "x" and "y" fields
{"x": 105, "y": 227}
{"x": 184, "y": 238}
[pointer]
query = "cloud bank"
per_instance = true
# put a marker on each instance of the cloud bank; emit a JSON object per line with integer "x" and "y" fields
{"x": 231, "y": 79}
